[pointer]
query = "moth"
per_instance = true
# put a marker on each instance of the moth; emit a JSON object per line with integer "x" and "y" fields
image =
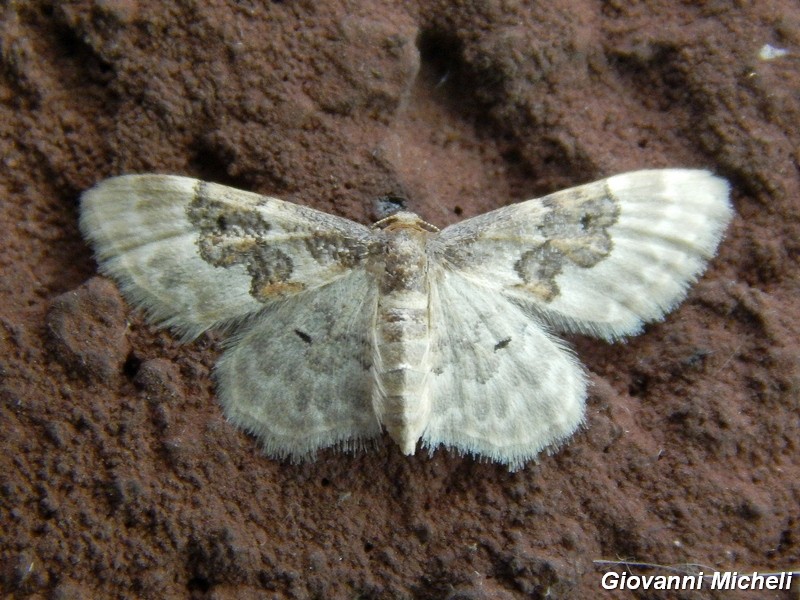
{"x": 440, "y": 337}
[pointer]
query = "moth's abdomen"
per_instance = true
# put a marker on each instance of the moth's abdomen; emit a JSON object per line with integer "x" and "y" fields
{"x": 402, "y": 339}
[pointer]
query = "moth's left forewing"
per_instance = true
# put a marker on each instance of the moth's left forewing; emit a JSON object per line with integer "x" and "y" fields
{"x": 601, "y": 258}
{"x": 196, "y": 255}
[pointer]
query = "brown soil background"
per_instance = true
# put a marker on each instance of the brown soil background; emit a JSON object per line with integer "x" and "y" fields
{"x": 120, "y": 477}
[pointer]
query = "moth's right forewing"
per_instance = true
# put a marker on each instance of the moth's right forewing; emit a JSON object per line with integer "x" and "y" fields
{"x": 602, "y": 258}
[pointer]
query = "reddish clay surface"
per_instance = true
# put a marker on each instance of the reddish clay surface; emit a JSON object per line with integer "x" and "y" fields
{"x": 119, "y": 477}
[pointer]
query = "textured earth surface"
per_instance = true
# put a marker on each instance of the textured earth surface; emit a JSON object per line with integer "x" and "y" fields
{"x": 119, "y": 476}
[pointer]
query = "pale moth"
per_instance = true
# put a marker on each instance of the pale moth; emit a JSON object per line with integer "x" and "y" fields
{"x": 440, "y": 337}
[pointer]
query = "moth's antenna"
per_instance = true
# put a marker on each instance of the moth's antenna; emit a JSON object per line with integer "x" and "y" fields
{"x": 405, "y": 219}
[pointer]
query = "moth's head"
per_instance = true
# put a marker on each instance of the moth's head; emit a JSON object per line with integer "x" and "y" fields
{"x": 404, "y": 220}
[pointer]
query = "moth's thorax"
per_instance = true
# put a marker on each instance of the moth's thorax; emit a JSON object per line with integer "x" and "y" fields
{"x": 405, "y": 261}
{"x": 402, "y": 337}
